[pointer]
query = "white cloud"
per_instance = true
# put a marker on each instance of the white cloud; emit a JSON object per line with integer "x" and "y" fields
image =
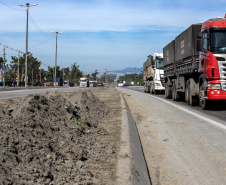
{"x": 105, "y": 15}
{"x": 78, "y": 19}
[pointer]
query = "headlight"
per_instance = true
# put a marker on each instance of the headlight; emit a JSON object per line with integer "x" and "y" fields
{"x": 157, "y": 85}
{"x": 214, "y": 86}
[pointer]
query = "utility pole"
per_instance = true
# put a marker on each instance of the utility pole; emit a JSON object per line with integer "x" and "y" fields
{"x": 105, "y": 80}
{"x": 55, "y": 55}
{"x": 32, "y": 77}
{"x": 4, "y": 66}
{"x": 40, "y": 73}
{"x": 18, "y": 69}
{"x": 135, "y": 76}
{"x": 63, "y": 75}
{"x": 27, "y": 5}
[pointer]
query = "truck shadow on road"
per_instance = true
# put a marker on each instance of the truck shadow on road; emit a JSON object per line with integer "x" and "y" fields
{"x": 217, "y": 105}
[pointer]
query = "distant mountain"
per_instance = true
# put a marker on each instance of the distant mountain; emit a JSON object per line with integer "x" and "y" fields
{"x": 128, "y": 70}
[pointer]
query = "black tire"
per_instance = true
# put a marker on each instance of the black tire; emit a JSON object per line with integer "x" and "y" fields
{"x": 202, "y": 101}
{"x": 186, "y": 93}
{"x": 193, "y": 100}
{"x": 151, "y": 90}
{"x": 166, "y": 91}
{"x": 175, "y": 94}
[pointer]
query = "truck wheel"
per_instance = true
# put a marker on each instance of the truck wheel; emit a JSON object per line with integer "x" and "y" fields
{"x": 193, "y": 100}
{"x": 202, "y": 101}
{"x": 166, "y": 91}
{"x": 175, "y": 94}
{"x": 186, "y": 94}
{"x": 151, "y": 91}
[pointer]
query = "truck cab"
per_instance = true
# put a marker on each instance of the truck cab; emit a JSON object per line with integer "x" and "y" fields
{"x": 84, "y": 82}
{"x": 212, "y": 60}
{"x": 158, "y": 77}
{"x": 153, "y": 74}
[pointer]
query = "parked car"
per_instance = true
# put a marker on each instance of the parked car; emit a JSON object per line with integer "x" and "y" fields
{"x": 100, "y": 83}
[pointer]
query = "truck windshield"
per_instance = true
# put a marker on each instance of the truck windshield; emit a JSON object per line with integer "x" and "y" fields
{"x": 159, "y": 64}
{"x": 218, "y": 41}
{"x": 82, "y": 80}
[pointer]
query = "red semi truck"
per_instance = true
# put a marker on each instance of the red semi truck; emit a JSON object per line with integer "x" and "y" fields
{"x": 195, "y": 64}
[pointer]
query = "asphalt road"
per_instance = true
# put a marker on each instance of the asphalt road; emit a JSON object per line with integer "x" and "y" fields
{"x": 216, "y": 112}
{"x": 22, "y": 92}
{"x": 182, "y": 144}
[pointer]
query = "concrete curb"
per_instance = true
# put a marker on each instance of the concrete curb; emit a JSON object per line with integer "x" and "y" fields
{"x": 131, "y": 167}
{"x": 124, "y": 172}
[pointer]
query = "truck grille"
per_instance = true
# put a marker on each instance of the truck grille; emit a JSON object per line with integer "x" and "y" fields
{"x": 223, "y": 85}
{"x": 163, "y": 82}
{"x": 222, "y": 71}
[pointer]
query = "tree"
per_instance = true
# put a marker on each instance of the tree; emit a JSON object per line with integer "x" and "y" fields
{"x": 1, "y": 63}
{"x": 103, "y": 77}
{"x": 32, "y": 65}
{"x": 75, "y": 73}
{"x": 50, "y": 74}
{"x": 87, "y": 76}
{"x": 94, "y": 75}
{"x": 132, "y": 78}
{"x": 65, "y": 73}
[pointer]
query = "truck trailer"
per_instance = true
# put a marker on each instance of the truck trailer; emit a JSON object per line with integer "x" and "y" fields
{"x": 153, "y": 74}
{"x": 195, "y": 64}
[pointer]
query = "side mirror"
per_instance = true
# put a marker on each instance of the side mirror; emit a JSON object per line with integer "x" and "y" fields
{"x": 199, "y": 45}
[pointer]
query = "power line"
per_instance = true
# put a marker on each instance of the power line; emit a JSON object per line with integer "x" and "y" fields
{"x": 6, "y": 46}
{"x": 38, "y": 27}
{"x": 11, "y": 7}
{"x": 41, "y": 43}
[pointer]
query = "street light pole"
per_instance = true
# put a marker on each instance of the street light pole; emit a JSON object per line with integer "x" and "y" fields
{"x": 18, "y": 69}
{"x": 135, "y": 76}
{"x": 105, "y": 80}
{"x": 27, "y": 5}
{"x": 55, "y": 55}
{"x": 4, "y": 66}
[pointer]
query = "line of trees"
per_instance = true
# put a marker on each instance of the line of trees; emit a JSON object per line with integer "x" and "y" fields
{"x": 37, "y": 75}
{"x": 136, "y": 78}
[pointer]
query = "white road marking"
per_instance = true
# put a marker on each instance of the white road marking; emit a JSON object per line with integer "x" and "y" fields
{"x": 215, "y": 123}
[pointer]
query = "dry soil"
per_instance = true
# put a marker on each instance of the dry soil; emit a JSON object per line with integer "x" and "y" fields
{"x": 60, "y": 138}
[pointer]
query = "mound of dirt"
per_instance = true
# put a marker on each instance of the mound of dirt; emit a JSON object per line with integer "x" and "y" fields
{"x": 59, "y": 138}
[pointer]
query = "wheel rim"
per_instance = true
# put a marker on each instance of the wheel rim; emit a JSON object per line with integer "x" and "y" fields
{"x": 201, "y": 97}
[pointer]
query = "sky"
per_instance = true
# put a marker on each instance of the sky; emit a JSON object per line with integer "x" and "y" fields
{"x": 99, "y": 34}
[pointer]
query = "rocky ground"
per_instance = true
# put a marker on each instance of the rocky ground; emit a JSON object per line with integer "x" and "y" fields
{"x": 60, "y": 138}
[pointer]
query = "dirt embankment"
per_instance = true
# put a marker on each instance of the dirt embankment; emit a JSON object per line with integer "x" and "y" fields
{"x": 70, "y": 138}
